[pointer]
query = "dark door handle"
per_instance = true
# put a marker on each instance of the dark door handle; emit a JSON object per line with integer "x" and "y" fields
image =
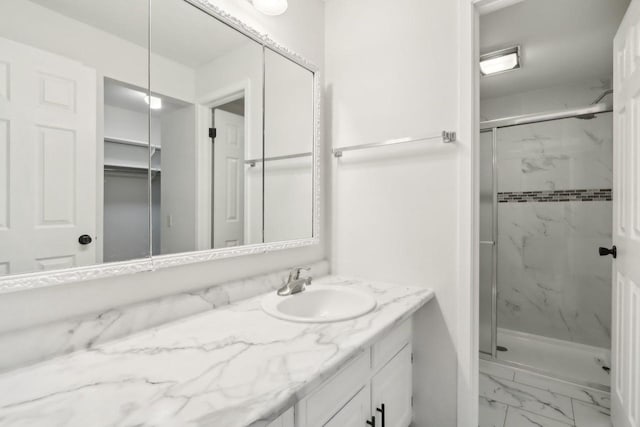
{"x": 606, "y": 251}
{"x": 381, "y": 410}
{"x": 85, "y": 239}
{"x": 372, "y": 421}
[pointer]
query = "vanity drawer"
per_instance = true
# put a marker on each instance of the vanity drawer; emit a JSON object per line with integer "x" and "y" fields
{"x": 326, "y": 401}
{"x": 390, "y": 345}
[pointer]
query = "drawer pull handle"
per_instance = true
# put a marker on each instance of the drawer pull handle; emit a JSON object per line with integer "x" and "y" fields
{"x": 372, "y": 421}
{"x": 381, "y": 410}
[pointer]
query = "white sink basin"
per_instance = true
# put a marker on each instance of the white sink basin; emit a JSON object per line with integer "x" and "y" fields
{"x": 320, "y": 304}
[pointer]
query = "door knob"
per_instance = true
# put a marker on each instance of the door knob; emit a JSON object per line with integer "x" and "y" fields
{"x": 85, "y": 239}
{"x": 606, "y": 251}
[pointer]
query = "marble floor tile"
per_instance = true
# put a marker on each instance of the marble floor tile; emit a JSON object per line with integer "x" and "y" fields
{"x": 599, "y": 398}
{"x": 491, "y": 413}
{"x": 497, "y": 370}
{"x": 590, "y": 415}
{"x": 532, "y": 399}
{"x": 519, "y": 418}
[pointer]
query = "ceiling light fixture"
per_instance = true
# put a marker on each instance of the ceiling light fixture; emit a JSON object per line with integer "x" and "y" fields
{"x": 271, "y": 7}
{"x": 153, "y": 101}
{"x": 500, "y": 61}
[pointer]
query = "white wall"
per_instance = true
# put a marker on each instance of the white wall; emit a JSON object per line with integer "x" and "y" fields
{"x": 302, "y": 29}
{"x": 579, "y": 93}
{"x": 178, "y": 189}
{"x": 391, "y": 72}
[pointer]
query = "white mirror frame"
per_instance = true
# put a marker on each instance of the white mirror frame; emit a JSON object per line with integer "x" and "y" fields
{"x": 19, "y": 282}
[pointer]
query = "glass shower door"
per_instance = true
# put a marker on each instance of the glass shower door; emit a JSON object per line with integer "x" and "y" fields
{"x": 553, "y": 290}
{"x": 487, "y": 245}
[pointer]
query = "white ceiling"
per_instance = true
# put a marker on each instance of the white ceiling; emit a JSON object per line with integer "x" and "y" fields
{"x": 562, "y": 41}
{"x": 179, "y": 31}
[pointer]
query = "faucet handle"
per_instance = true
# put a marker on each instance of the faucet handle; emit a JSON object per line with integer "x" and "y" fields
{"x": 295, "y": 272}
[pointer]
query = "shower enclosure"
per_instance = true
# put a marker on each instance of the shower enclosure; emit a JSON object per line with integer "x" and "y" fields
{"x": 545, "y": 208}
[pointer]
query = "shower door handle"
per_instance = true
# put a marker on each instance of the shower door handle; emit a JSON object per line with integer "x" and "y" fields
{"x": 606, "y": 251}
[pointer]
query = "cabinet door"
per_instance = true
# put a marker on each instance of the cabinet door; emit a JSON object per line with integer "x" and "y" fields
{"x": 355, "y": 413}
{"x": 284, "y": 420}
{"x": 316, "y": 409}
{"x": 392, "y": 387}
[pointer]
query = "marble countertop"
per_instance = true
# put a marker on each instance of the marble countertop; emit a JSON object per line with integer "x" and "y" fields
{"x": 232, "y": 366}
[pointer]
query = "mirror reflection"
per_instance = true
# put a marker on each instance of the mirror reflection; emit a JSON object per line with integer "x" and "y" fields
{"x": 210, "y": 196}
{"x": 73, "y": 135}
{"x": 288, "y": 145}
{"x": 136, "y": 127}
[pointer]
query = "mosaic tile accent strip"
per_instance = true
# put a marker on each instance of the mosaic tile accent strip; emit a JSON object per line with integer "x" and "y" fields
{"x": 593, "y": 195}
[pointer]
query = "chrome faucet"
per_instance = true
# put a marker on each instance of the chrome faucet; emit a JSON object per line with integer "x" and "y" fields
{"x": 295, "y": 284}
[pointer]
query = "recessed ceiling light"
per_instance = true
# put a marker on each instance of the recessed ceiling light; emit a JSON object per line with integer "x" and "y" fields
{"x": 500, "y": 61}
{"x": 153, "y": 101}
{"x": 271, "y": 7}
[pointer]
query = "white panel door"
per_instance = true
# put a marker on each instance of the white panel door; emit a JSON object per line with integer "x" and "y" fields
{"x": 355, "y": 413}
{"x": 47, "y": 160}
{"x": 391, "y": 391}
{"x": 228, "y": 180}
{"x": 625, "y": 390}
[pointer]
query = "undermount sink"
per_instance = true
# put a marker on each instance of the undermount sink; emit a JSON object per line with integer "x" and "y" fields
{"x": 319, "y": 304}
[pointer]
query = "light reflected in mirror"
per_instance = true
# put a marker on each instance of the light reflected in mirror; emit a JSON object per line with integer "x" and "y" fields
{"x": 209, "y": 195}
{"x": 67, "y": 197}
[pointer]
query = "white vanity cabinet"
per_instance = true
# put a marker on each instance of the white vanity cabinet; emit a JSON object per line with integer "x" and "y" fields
{"x": 284, "y": 420}
{"x": 355, "y": 413}
{"x": 376, "y": 383}
{"x": 391, "y": 391}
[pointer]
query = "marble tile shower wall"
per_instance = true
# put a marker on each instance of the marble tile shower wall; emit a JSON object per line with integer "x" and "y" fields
{"x": 551, "y": 281}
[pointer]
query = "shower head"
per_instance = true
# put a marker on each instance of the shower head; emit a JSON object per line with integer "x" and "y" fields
{"x": 599, "y": 99}
{"x": 602, "y": 96}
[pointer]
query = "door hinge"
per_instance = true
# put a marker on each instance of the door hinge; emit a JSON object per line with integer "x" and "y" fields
{"x": 412, "y": 401}
{"x": 411, "y": 358}
{"x": 213, "y": 133}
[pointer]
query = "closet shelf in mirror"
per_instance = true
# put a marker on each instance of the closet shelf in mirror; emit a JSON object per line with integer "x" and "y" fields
{"x": 129, "y": 168}
{"x": 252, "y": 162}
{"x": 133, "y": 142}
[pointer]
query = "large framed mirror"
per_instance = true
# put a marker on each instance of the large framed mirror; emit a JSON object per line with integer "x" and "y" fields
{"x": 141, "y": 134}
{"x": 73, "y": 139}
